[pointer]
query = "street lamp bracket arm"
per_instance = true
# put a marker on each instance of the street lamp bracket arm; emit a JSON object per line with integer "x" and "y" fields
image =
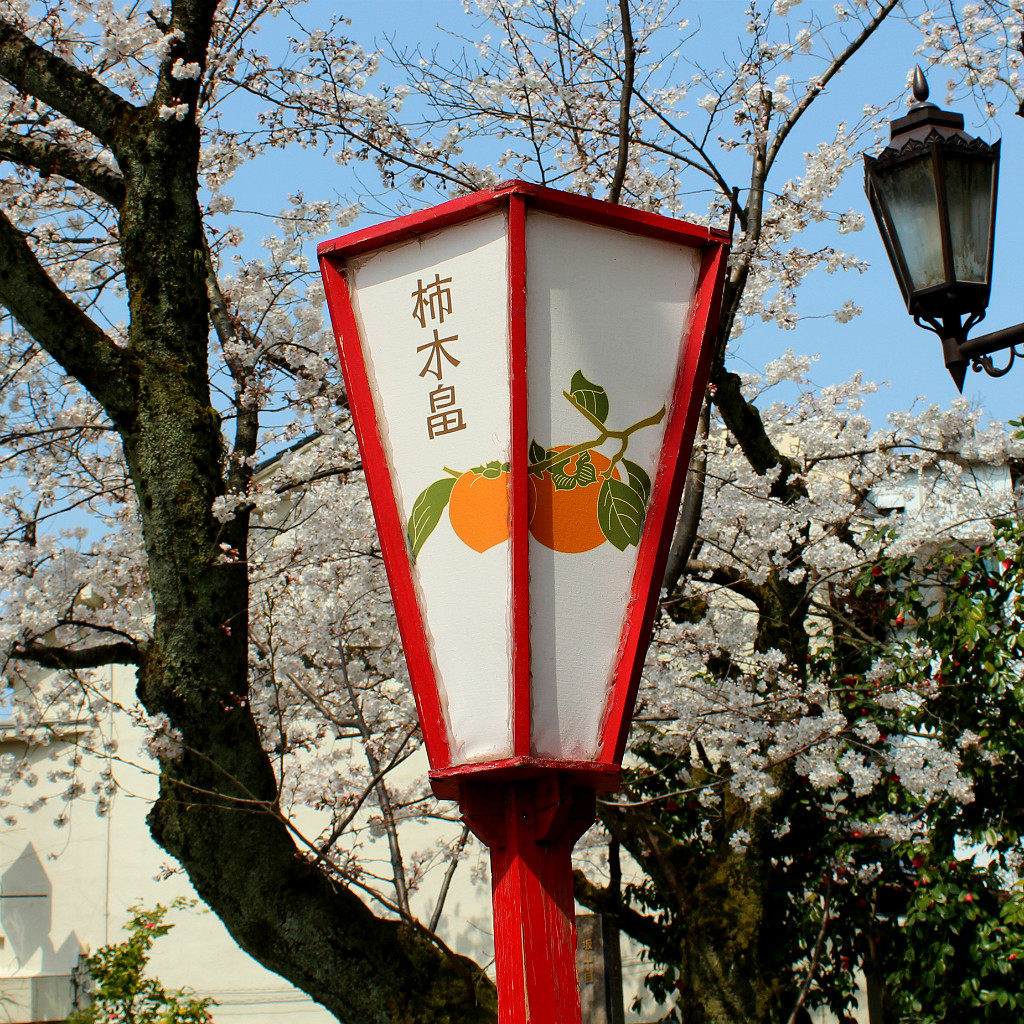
{"x": 980, "y": 350}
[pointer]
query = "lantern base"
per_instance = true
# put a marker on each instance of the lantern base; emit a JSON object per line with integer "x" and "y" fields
{"x": 449, "y": 783}
{"x": 530, "y": 828}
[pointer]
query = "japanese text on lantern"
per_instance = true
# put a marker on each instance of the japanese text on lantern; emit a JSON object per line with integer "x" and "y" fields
{"x": 432, "y": 304}
{"x": 588, "y": 961}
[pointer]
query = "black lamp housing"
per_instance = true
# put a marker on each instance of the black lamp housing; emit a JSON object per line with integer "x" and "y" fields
{"x": 932, "y": 191}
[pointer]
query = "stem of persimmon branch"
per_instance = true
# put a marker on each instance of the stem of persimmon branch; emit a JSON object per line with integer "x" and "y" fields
{"x": 620, "y": 435}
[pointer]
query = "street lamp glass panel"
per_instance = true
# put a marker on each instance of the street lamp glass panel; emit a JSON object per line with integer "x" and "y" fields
{"x": 908, "y": 192}
{"x": 969, "y": 188}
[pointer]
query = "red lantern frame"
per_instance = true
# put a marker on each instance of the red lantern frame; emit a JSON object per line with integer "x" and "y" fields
{"x": 530, "y": 810}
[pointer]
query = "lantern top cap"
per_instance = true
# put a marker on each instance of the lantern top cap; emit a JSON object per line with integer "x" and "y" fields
{"x": 539, "y": 197}
{"x": 921, "y": 119}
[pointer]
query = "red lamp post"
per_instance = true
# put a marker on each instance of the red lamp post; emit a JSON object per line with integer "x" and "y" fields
{"x": 525, "y": 369}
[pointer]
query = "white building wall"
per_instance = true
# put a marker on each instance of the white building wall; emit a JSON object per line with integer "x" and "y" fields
{"x": 65, "y": 890}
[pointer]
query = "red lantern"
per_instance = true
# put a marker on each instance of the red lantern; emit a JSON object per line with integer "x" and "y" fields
{"x": 525, "y": 369}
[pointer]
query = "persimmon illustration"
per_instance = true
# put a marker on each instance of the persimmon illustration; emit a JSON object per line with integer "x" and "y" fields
{"x": 478, "y": 507}
{"x": 579, "y": 496}
{"x": 563, "y": 502}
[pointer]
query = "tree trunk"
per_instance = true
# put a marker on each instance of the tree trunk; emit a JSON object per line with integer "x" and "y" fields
{"x": 721, "y": 976}
{"x": 217, "y": 811}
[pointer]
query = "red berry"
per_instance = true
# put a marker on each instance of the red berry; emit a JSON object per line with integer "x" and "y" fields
{"x": 876, "y": 570}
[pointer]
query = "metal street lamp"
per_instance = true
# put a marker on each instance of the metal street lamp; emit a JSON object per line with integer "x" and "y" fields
{"x": 933, "y": 193}
{"x": 525, "y": 370}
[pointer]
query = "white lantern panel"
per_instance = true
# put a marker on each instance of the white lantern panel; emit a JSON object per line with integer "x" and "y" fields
{"x": 433, "y": 316}
{"x": 607, "y": 315}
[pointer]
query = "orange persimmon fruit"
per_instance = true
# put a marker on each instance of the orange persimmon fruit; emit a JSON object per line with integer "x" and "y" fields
{"x": 478, "y": 509}
{"x": 565, "y": 519}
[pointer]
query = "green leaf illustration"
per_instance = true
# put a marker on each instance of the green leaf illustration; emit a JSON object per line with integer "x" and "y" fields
{"x": 590, "y": 396}
{"x": 537, "y": 453}
{"x": 638, "y": 480}
{"x": 427, "y": 510}
{"x": 584, "y": 472}
{"x": 492, "y": 470}
{"x": 620, "y": 513}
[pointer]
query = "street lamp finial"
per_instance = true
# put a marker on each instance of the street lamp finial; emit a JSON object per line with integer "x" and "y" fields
{"x": 920, "y": 85}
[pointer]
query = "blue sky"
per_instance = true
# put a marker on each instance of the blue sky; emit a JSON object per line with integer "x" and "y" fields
{"x": 883, "y": 341}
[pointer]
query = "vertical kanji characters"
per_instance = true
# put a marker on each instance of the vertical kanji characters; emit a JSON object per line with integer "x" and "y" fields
{"x": 432, "y": 302}
{"x": 444, "y": 418}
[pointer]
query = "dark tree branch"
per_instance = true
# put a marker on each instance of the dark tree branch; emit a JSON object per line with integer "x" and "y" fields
{"x": 85, "y": 657}
{"x": 740, "y": 416}
{"x": 837, "y": 65}
{"x": 693, "y": 502}
{"x": 194, "y": 19}
{"x": 50, "y": 158}
{"x": 455, "y": 857}
{"x": 812, "y": 967}
{"x": 629, "y": 67}
{"x": 247, "y": 423}
{"x": 61, "y": 327}
{"x": 664, "y": 858}
{"x": 75, "y": 93}
{"x": 608, "y": 901}
{"x": 745, "y": 424}
{"x": 731, "y": 578}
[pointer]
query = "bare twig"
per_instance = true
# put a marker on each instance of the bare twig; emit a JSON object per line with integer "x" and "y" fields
{"x": 815, "y": 957}
{"x": 628, "y": 70}
{"x": 460, "y": 845}
{"x": 387, "y": 811}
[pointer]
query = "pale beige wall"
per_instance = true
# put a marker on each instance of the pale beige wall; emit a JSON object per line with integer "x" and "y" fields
{"x": 81, "y": 879}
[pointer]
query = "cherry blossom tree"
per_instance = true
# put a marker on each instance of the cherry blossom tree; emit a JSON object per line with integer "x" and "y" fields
{"x": 137, "y": 370}
{"x": 154, "y": 360}
{"x": 750, "y": 702}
